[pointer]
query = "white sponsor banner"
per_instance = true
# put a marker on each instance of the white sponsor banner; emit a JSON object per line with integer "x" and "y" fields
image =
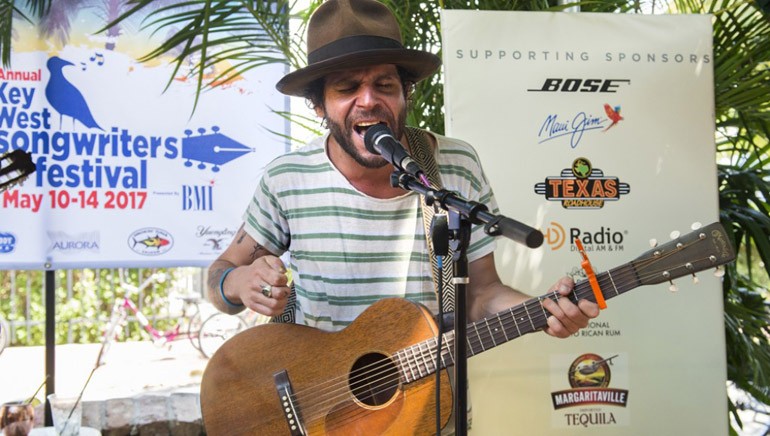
{"x": 127, "y": 174}
{"x": 597, "y": 127}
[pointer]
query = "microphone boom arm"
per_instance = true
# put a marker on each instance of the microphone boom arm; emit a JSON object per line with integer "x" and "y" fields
{"x": 475, "y": 212}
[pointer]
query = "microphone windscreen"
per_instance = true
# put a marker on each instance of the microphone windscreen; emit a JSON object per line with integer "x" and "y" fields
{"x": 371, "y": 135}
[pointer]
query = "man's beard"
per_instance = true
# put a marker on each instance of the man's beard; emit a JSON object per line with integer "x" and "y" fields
{"x": 344, "y": 137}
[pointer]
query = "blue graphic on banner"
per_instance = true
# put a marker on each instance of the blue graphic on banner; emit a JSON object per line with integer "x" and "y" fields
{"x": 55, "y": 166}
{"x": 214, "y": 148}
{"x": 64, "y": 97}
{"x": 7, "y": 242}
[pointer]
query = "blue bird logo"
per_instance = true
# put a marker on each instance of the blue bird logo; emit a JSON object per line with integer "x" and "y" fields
{"x": 64, "y": 97}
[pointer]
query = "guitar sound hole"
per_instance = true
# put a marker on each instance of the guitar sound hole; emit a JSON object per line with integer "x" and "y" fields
{"x": 373, "y": 379}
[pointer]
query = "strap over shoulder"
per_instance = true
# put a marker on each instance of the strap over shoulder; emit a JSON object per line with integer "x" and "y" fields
{"x": 424, "y": 155}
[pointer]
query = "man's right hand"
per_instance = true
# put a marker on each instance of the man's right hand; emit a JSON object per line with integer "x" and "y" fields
{"x": 261, "y": 286}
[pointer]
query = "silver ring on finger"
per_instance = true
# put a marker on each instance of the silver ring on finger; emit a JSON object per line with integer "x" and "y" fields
{"x": 267, "y": 291}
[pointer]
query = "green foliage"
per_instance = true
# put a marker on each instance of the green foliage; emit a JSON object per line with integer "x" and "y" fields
{"x": 84, "y": 299}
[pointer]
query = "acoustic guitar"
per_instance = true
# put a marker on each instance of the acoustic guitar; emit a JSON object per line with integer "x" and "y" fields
{"x": 15, "y": 166}
{"x": 372, "y": 377}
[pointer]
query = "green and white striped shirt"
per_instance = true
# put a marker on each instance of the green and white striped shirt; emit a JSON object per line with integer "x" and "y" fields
{"x": 347, "y": 249}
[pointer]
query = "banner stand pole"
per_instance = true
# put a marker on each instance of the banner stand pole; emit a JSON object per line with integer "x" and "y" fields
{"x": 50, "y": 341}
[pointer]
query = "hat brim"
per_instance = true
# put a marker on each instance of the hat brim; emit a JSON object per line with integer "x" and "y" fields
{"x": 418, "y": 64}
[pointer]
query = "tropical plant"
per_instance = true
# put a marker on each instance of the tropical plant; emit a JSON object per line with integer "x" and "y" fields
{"x": 84, "y": 300}
{"x": 251, "y": 33}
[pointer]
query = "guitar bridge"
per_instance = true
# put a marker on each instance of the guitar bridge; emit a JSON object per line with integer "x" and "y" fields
{"x": 289, "y": 409}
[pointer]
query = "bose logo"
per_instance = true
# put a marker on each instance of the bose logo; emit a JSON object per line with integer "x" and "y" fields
{"x": 581, "y": 85}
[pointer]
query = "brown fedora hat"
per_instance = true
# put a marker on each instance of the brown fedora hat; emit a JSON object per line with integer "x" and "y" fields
{"x": 352, "y": 34}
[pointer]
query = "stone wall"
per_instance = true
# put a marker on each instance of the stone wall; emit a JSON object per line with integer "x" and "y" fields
{"x": 175, "y": 414}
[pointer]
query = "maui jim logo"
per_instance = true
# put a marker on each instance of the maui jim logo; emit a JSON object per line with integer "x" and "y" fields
{"x": 574, "y": 127}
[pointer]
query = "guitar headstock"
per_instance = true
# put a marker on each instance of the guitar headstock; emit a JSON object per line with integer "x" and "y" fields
{"x": 705, "y": 248}
{"x": 15, "y": 166}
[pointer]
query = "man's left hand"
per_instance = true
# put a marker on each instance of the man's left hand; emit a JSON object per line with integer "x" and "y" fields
{"x": 566, "y": 316}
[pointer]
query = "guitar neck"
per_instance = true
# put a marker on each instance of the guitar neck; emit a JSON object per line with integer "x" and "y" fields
{"x": 15, "y": 166}
{"x": 419, "y": 360}
{"x": 705, "y": 248}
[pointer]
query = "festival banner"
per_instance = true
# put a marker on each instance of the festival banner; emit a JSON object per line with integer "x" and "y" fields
{"x": 597, "y": 128}
{"x": 127, "y": 174}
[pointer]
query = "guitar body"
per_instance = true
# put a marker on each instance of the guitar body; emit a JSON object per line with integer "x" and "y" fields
{"x": 337, "y": 386}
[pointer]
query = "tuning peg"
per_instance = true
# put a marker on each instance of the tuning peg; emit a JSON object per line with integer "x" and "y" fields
{"x": 653, "y": 242}
{"x": 696, "y": 225}
{"x": 673, "y": 287}
{"x": 695, "y": 279}
{"x": 719, "y": 272}
{"x": 675, "y": 234}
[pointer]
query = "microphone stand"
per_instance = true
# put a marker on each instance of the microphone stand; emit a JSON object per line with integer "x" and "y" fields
{"x": 462, "y": 214}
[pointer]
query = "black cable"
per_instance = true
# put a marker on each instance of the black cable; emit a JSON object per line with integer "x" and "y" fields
{"x": 440, "y": 286}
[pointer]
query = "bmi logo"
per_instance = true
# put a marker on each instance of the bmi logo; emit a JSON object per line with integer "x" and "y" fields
{"x": 197, "y": 197}
{"x": 582, "y": 187}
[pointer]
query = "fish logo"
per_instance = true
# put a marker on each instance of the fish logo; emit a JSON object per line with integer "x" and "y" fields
{"x": 150, "y": 241}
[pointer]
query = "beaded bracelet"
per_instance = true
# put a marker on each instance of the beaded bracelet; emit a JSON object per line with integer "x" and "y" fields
{"x": 222, "y": 291}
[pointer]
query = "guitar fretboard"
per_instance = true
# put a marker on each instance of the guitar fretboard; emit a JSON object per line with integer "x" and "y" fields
{"x": 419, "y": 360}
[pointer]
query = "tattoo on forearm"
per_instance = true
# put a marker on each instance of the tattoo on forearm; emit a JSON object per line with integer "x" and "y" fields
{"x": 241, "y": 235}
{"x": 214, "y": 278}
{"x": 258, "y": 252}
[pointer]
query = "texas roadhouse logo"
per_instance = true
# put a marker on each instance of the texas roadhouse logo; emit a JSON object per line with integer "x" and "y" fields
{"x": 582, "y": 187}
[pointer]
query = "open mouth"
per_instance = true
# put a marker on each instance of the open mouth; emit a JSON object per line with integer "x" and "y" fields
{"x": 362, "y": 127}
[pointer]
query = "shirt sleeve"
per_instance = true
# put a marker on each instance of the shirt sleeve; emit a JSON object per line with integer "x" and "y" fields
{"x": 264, "y": 218}
{"x": 462, "y": 173}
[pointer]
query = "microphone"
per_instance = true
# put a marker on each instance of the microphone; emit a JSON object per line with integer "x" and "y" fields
{"x": 380, "y": 140}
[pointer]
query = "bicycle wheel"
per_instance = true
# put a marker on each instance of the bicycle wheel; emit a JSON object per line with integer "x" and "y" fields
{"x": 110, "y": 334}
{"x": 194, "y": 329}
{"x": 5, "y": 334}
{"x": 218, "y": 328}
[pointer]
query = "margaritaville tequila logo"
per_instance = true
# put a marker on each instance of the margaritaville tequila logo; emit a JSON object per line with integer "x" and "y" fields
{"x": 589, "y": 377}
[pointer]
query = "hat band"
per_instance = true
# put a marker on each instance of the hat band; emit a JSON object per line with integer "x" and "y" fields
{"x": 352, "y": 44}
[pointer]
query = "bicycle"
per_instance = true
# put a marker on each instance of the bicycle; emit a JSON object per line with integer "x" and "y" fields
{"x": 220, "y": 327}
{"x": 215, "y": 329}
{"x": 5, "y": 334}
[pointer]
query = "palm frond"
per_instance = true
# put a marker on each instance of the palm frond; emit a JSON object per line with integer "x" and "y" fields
{"x": 203, "y": 35}
{"x": 9, "y": 10}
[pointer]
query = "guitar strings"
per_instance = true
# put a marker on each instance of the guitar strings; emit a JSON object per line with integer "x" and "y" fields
{"x": 374, "y": 368}
{"x": 379, "y": 383}
{"x": 353, "y": 415}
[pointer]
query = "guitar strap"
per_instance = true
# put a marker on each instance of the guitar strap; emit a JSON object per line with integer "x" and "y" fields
{"x": 422, "y": 153}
